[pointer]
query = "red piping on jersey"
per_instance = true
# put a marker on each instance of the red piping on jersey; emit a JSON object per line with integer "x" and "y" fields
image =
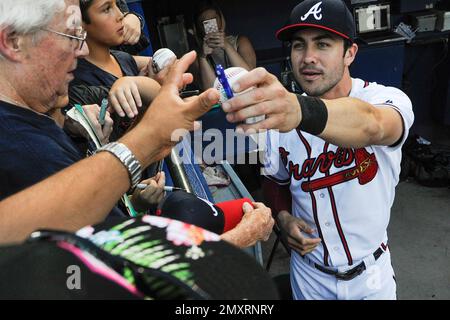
{"x": 336, "y": 216}
{"x": 314, "y": 204}
{"x": 296, "y": 25}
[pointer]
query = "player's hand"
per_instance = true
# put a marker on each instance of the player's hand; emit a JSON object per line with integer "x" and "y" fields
{"x": 152, "y": 195}
{"x": 269, "y": 98}
{"x": 124, "y": 97}
{"x": 256, "y": 225}
{"x": 132, "y": 29}
{"x": 297, "y": 231}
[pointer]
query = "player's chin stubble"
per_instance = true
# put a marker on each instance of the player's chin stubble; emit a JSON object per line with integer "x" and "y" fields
{"x": 319, "y": 88}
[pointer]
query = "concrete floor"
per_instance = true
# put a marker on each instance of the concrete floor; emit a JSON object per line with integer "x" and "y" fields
{"x": 419, "y": 234}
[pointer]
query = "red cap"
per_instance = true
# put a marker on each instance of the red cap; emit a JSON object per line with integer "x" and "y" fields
{"x": 233, "y": 212}
{"x": 189, "y": 208}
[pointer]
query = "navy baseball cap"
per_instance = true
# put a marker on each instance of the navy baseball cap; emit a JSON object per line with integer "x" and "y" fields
{"x": 186, "y": 207}
{"x": 330, "y": 15}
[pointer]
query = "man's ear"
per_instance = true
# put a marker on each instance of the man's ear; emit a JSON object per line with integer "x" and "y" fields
{"x": 351, "y": 54}
{"x": 10, "y": 45}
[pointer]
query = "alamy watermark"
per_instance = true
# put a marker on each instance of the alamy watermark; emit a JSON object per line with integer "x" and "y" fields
{"x": 73, "y": 281}
{"x": 212, "y": 146}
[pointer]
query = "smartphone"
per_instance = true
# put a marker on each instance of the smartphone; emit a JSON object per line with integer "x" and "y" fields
{"x": 210, "y": 26}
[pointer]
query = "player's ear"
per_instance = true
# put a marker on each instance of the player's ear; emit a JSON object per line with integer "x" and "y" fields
{"x": 350, "y": 54}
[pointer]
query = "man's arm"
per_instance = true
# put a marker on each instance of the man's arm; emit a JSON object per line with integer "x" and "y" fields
{"x": 355, "y": 123}
{"x": 80, "y": 195}
{"x": 84, "y": 193}
{"x": 351, "y": 122}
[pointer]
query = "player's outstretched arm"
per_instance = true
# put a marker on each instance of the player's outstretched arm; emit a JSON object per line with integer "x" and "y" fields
{"x": 355, "y": 123}
{"x": 349, "y": 122}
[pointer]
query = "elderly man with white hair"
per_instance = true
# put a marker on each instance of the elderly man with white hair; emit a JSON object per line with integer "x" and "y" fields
{"x": 40, "y": 41}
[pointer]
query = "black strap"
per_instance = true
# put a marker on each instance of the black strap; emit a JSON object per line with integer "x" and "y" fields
{"x": 314, "y": 114}
{"x": 352, "y": 273}
{"x": 378, "y": 253}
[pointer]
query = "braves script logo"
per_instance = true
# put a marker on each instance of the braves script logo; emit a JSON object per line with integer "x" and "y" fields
{"x": 365, "y": 168}
{"x": 316, "y": 10}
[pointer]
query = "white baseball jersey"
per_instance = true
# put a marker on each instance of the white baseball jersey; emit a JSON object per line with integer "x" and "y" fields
{"x": 344, "y": 194}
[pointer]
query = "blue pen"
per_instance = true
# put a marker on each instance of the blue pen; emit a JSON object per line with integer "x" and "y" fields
{"x": 223, "y": 81}
{"x": 101, "y": 118}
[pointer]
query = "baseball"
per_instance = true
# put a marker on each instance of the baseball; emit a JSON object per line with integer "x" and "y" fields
{"x": 233, "y": 74}
{"x": 161, "y": 59}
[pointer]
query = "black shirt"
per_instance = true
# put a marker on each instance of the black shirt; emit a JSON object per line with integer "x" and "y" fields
{"x": 89, "y": 74}
{"x": 32, "y": 148}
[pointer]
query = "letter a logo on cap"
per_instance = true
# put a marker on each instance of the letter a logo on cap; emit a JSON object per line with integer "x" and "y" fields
{"x": 315, "y": 10}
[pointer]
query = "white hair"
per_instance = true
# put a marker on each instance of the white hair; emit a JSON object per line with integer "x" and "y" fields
{"x": 28, "y": 16}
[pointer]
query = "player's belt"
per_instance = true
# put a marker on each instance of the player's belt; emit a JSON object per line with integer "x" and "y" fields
{"x": 352, "y": 273}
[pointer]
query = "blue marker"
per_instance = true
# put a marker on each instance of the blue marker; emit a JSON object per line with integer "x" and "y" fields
{"x": 221, "y": 76}
{"x": 101, "y": 118}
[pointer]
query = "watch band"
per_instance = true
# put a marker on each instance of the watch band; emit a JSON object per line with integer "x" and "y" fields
{"x": 121, "y": 152}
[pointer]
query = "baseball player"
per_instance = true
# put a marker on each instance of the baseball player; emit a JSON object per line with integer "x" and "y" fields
{"x": 333, "y": 169}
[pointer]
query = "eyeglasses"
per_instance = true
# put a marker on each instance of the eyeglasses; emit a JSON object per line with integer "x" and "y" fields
{"x": 80, "y": 37}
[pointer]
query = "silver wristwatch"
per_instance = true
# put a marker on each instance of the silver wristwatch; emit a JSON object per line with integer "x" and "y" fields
{"x": 128, "y": 160}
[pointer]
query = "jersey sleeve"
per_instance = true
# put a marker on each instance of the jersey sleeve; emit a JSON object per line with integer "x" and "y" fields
{"x": 273, "y": 168}
{"x": 399, "y": 101}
